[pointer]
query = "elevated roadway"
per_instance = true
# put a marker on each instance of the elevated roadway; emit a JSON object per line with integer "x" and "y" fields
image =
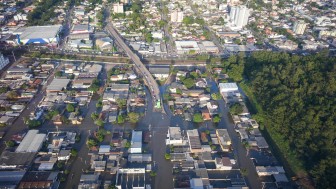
{"x": 149, "y": 79}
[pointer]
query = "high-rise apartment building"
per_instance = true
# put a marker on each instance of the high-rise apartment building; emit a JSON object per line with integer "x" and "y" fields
{"x": 239, "y": 16}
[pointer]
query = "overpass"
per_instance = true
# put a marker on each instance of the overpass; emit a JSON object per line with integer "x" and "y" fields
{"x": 149, "y": 79}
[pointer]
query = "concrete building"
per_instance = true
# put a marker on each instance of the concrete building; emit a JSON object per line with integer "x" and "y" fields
{"x": 136, "y": 143}
{"x": 32, "y": 142}
{"x": 118, "y": 8}
{"x": 3, "y": 61}
{"x": 239, "y": 16}
{"x": 174, "y": 136}
{"x": 299, "y": 27}
{"x": 194, "y": 141}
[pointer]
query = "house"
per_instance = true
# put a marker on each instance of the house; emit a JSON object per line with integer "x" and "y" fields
{"x": 201, "y": 83}
{"x": 180, "y": 74}
{"x": 206, "y": 115}
{"x": 269, "y": 170}
{"x": 194, "y": 141}
{"x": 136, "y": 142}
{"x": 212, "y": 107}
{"x": 193, "y": 93}
{"x": 223, "y": 163}
{"x": 223, "y": 139}
{"x": 104, "y": 149}
{"x": 75, "y": 119}
{"x": 176, "y": 87}
{"x": 57, "y": 119}
{"x": 174, "y": 136}
{"x": 98, "y": 165}
{"x": 64, "y": 155}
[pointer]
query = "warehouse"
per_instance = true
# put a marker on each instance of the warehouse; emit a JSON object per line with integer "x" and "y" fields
{"x": 32, "y": 142}
{"x": 45, "y": 35}
{"x": 57, "y": 85}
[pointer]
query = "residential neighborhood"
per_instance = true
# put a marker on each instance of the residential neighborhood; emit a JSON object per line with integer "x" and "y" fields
{"x": 167, "y": 94}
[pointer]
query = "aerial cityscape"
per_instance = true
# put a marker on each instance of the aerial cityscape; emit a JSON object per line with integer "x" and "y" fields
{"x": 168, "y": 94}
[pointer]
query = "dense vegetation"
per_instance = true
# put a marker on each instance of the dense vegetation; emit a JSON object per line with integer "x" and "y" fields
{"x": 295, "y": 100}
{"x": 43, "y": 13}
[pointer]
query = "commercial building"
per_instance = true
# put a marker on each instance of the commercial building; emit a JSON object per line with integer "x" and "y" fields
{"x": 16, "y": 161}
{"x": 299, "y": 27}
{"x": 131, "y": 178}
{"x": 39, "y": 179}
{"x": 174, "y": 136}
{"x": 184, "y": 47}
{"x": 3, "y": 61}
{"x": 194, "y": 141}
{"x": 227, "y": 87}
{"x": 136, "y": 143}
{"x": 159, "y": 72}
{"x": 239, "y": 16}
{"x": 32, "y": 142}
{"x": 45, "y": 35}
{"x": 10, "y": 179}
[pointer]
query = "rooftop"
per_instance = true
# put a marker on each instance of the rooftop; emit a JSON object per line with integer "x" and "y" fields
{"x": 58, "y": 84}
{"x": 34, "y": 32}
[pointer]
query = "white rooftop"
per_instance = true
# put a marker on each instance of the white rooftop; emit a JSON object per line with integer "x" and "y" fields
{"x": 58, "y": 84}
{"x": 34, "y": 32}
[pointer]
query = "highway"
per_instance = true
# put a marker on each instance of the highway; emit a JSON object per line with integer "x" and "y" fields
{"x": 149, "y": 79}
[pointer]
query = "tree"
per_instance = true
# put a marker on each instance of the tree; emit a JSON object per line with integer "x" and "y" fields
{"x": 74, "y": 152}
{"x": 167, "y": 156}
{"x": 198, "y": 118}
{"x": 70, "y": 108}
{"x": 216, "y": 119}
{"x": 121, "y": 102}
{"x": 152, "y": 173}
{"x": 94, "y": 87}
{"x": 94, "y": 116}
{"x": 216, "y": 96}
{"x": 10, "y": 143}
{"x": 120, "y": 119}
{"x": 99, "y": 104}
{"x": 133, "y": 117}
{"x": 148, "y": 37}
{"x": 100, "y": 122}
{"x": 3, "y": 89}
{"x": 189, "y": 82}
{"x": 33, "y": 123}
{"x": 91, "y": 143}
{"x": 236, "y": 109}
{"x": 59, "y": 74}
{"x": 12, "y": 95}
{"x": 127, "y": 144}
{"x": 188, "y": 20}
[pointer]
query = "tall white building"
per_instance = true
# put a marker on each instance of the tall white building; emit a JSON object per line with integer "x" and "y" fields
{"x": 177, "y": 16}
{"x": 118, "y": 8}
{"x": 3, "y": 61}
{"x": 299, "y": 27}
{"x": 239, "y": 16}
